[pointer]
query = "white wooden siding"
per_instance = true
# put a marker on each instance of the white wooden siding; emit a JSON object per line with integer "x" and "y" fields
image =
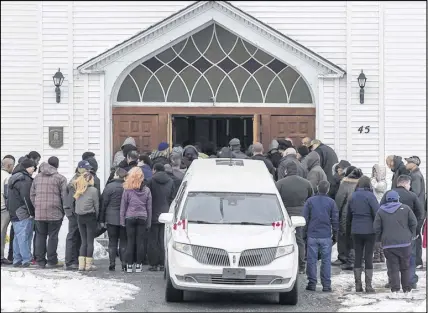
{"x": 21, "y": 67}
{"x": 365, "y": 56}
{"x": 55, "y": 34}
{"x": 405, "y": 79}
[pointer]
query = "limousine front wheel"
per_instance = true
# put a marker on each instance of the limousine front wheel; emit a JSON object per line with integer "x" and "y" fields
{"x": 172, "y": 294}
{"x": 291, "y": 297}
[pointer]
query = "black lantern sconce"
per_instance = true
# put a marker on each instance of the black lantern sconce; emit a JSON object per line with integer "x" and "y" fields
{"x": 58, "y": 78}
{"x": 362, "y": 82}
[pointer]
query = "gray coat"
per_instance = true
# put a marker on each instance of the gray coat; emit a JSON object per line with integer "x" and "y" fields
{"x": 294, "y": 191}
{"x": 395, "y": 225}
{"x": 343, "y": 196}
{"x": 89, "y": 202}
{"x": 315, "y": 172}
{"x": 418, "y": 185}
{"x": 301, "y": 171}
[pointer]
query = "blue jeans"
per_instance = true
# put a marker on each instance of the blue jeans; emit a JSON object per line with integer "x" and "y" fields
{"x": 413, "y": 277}
{"x": 315, "y": 245}
{"x": 22, "y": 241}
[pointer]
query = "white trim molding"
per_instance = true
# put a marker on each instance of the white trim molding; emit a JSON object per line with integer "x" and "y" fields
{"x": 213, "y": 105}
{"x": 195, "y": 10}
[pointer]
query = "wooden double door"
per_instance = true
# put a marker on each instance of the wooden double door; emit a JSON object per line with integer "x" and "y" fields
{"x": 149, "y": 126}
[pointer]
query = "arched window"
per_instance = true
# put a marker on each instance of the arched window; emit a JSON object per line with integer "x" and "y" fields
{"x": 214, "y": 64}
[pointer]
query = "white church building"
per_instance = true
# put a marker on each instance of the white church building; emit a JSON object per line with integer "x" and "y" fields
{"x": 212, "y": 70}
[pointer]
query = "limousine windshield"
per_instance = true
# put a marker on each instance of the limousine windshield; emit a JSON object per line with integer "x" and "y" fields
{"x": 232, "y": 208}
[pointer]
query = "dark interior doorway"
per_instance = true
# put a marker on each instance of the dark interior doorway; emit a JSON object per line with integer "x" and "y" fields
{"x": 217, "y": 129}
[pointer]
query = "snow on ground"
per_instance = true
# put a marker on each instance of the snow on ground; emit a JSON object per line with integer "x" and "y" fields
{"x": 99, "y": 251}
{"x": 378, "y": 302}
{"x": 35, "y": 290}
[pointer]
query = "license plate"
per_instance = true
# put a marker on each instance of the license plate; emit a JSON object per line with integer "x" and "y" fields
{"x": 234, "y": 273}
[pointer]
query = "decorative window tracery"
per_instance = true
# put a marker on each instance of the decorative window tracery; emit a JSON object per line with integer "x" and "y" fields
{"x": 214, "y": 64}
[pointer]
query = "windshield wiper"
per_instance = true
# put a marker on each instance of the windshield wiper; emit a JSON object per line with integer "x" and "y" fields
{"x": 248, "y": 223}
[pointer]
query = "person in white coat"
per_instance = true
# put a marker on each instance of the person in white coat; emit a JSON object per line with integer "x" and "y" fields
{"x": 7, "y": 165}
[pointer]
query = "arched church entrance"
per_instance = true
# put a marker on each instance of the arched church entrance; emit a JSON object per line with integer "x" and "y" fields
{"x": 210, "y": 87}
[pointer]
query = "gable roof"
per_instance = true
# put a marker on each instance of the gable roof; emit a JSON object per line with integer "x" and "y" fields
{"x": 88, "y": 66}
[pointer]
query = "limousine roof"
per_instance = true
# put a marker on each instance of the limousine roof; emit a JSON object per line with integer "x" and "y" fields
{"x": 229, "y": 175}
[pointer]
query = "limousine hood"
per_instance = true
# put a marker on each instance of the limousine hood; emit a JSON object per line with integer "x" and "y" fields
{"x": 233, "y": 238}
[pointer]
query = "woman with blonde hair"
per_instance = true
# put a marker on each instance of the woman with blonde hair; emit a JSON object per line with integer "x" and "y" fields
{"x": 87, "y": 210}
{"x": 136, "y": 216}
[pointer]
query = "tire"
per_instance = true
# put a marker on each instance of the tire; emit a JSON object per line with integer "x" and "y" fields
{"x": 291, "y": 297}
{"x": 172, "y": 294}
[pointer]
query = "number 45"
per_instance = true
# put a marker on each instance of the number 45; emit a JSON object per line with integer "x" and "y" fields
{"x": 361, "y": 129}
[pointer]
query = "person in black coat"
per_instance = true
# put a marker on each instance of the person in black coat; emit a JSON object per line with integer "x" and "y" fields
{"x": 410, "y": 199}
{"x": 338, "y": 172}
{"x": 110, "y": 217}
{"x": 327, "y": 158}
{"x": 162, "y": 189}
{"x": 21, "y": 211}
{"x": 294, "y": 191}
{"x": 362, "y": 210}
{"x": 396, "y": 164}
{"x": 177, "y": 181}
{"x": 258, "y": 155}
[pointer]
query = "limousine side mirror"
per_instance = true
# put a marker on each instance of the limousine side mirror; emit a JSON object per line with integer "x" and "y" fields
{"x": 166, "y": 218}
{"x": 298, "y": 221}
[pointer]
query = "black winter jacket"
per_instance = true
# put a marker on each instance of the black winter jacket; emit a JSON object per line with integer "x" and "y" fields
{"x": 110, "y": 204}
{"x": 399, "y": 169}
{"x": 275, "y": 157}
{"x": 162, "y": 189}
{"x": 177, "y": 182}
{"x": 18, "y": 201}
{"x": 418, "y": 185}
{"x": 294, "y": 192}
{"x": 268, "y": 162}
{"x": 410, "y": 199}
{"x": 327, "y": 159}
{"x": 343, "y": 196}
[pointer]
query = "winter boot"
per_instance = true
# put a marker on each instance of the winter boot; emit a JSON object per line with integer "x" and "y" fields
{"x": 369, "y": 278}
{"x": 129, "y": 268}
{"x": 112, "y": 257}
{"x": 358, "y": 282}
{"x": 138, "y": 268}
{"x": 382, "y": 256}
{"x": 89, "y": 265}
{"x": 82, "y": 263}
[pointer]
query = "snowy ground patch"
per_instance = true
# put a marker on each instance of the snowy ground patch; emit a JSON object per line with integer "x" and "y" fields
{"x": 34, "y": 290}
{"x": 379, "y": 302}
{"x": 99, "y": 251}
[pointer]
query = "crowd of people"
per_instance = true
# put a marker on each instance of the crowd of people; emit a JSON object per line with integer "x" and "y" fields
{"x": 340, "y": 204}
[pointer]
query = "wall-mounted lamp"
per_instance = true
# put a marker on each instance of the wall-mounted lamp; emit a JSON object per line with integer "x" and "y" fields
{"x": 362, "y": 82}
{"x": 58, "y": 78}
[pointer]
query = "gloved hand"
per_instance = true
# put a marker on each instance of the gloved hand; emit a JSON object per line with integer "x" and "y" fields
{"x": 334, "y": 238}
{"x": 148, "y": 226}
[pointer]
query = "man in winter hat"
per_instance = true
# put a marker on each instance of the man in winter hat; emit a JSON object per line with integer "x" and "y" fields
{"x": 395, "y": 225}
{"x": 119, "y": 155}
{"x": 161, "y": 155}
{"x": 48, "y": 193}
{"x": 235, "y": 146}
{"x": 21, "y": 211}
{"x": 417, "y": 185}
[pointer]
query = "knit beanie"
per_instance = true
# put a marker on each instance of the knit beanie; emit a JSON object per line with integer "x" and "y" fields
{"x": 54, "y": 161}
{"x": 303, "y": 151}
{"x": 163, "y": 146}
{"x": 27, "y": 163}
